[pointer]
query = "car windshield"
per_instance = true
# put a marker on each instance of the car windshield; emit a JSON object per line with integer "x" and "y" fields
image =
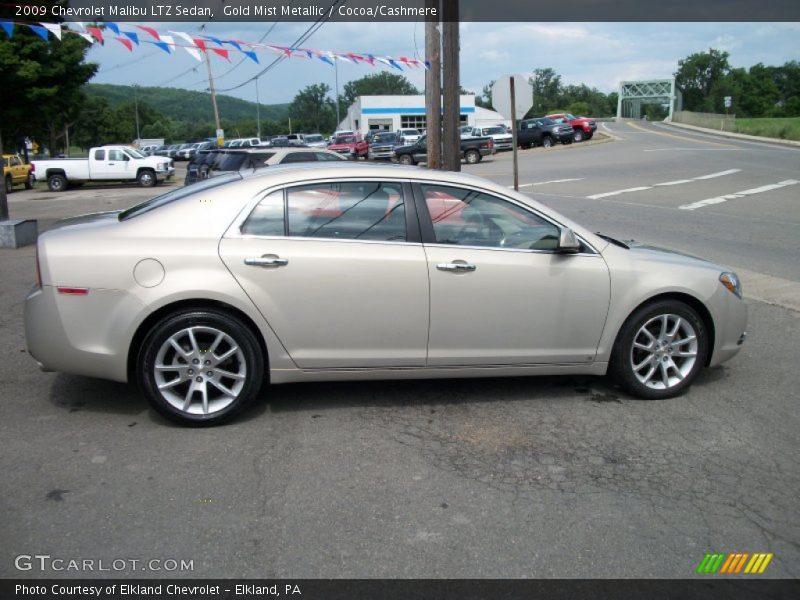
{"x": 570, "y": 117}
{"x": 313, "y": 138}
{"x": 410, "y": 132}
{"x": 493, "y": 130}
{"x": 384, "y": 138}
{"x": 135, "y": 153}
{"x": 345, "y": 139}
{"x": 177, "y": 194}
{"x": 546, "y": 121}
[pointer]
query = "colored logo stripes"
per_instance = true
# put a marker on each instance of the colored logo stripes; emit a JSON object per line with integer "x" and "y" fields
{"x": 734, "y": 563}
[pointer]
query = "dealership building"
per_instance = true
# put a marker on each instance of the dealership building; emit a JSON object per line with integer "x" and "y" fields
{"x": 390, "y": 113}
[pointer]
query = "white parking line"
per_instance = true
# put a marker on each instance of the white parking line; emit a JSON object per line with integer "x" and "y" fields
{"x": 726, "y": 197}
{"x": 675, "y": 182}
{"x": 522, "y": 185}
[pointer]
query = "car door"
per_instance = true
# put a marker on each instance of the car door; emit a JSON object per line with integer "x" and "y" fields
{"x": 338, "y": 271}
{"x": 19, "y": 170}
{"x": 109, "y": 164}
{"x": 500, "y": 293}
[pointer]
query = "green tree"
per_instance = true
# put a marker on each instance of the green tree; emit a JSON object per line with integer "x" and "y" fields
{"x": 378, "y": 84}
{"x": 546, "y": 91}
{"x": 698, "y": 74}
{"x": 41, "y": 85}
{"x": 484, "y": 99}
{"x": 312, "y": 109}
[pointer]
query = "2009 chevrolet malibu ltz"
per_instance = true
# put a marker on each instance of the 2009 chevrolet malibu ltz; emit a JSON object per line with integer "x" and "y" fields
{"x": 345, "y": 271}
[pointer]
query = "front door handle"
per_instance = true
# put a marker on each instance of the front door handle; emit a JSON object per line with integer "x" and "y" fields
{"x": 268, "y": 260}
{"x": 457, "y": 266}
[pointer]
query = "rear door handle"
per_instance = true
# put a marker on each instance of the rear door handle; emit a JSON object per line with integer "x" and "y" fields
{"x": 268, "y": 260}
{"x": 457, "y": 266}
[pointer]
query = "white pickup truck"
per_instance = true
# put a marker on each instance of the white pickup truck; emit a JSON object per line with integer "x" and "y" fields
{"x": 105, "y": 163}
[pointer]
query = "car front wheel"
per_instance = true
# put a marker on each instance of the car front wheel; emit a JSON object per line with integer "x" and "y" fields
{"x": 146, "y": 178}
{"x": 659, "y": 350}
{"x": 200, "y": 367}
{"x": 578, "y": 135}
{"x": 547, "y": 141}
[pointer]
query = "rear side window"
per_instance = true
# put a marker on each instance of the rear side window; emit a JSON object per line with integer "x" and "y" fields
{"x": 348, "y": 211}
{"x": 99, "y": 154}
{"x": 267, "y": 217}
{"x": 296, "y": 157}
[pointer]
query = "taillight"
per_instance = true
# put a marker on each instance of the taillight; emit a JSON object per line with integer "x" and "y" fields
{"x": 33, "y": 167}
{"x": 38, "y": 268}
{"x": 73, "y": 291}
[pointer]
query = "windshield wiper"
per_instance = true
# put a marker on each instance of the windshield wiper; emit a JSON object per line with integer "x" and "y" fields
{"x": 614, "y": 241}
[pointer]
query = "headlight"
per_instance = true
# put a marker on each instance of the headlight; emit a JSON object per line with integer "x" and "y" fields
{"x": 731, "y": 281}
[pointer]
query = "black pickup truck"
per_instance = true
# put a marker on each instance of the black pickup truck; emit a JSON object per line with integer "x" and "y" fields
{"x": 542, "y": 131}
{"x": 472, "y": 150}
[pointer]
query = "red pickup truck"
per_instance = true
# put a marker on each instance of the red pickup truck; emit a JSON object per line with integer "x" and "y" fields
{"x": 349, "y": 144}
{"x": 584, "y": 127}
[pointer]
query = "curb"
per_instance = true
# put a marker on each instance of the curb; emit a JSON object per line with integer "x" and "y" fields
{"x": 737, "y": 136}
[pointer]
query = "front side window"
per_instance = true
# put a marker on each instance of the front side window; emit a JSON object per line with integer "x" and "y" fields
{"x": 470, "y": 218}
{"x": 15, "y": 162}
{"x": 115, "y": 155}
{"x": 349, "y": 211}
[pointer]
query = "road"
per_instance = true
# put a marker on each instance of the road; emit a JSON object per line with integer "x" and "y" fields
{"x": 550, "y": 477}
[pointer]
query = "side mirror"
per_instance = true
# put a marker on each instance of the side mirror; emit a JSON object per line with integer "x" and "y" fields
{"x": 567, "y": 242}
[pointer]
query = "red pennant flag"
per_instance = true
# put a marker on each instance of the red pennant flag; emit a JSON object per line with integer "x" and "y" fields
{"x": 200, "y": 44}
{"x": 150, "y": 30}
{"x": 125, "y": 42}
{"x": 223, "y": 53}
{"x": 354, "y": 57}
{"x": 96, "y": 32}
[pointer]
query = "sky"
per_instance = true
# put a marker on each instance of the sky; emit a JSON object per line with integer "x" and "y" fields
{"x": 597, "y": 54}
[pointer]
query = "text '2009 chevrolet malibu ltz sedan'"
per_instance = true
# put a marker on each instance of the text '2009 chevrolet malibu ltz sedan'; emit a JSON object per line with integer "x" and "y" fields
{"x": 346, "y": 271}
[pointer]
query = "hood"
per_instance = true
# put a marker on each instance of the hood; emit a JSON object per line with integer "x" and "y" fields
{"x": 669, "y": 255}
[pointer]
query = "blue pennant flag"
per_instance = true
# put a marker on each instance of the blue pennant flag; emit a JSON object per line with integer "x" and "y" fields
{"x": 113, "y": 27}
{"x": 326, "y": 59}
{"x": 8, "y": 26}
{"x": 163, "y": 45}
{"x": 132, "y": 36}
{"x": 395, "y": 65}
{"x": 235, "y": 44}
{"x": 40, "y": 31}
{"x": 251, "y": 55}
{"x": 216, "y": 40}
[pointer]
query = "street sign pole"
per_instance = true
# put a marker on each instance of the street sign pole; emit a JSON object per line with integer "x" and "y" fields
{"x": 514, "y": 132}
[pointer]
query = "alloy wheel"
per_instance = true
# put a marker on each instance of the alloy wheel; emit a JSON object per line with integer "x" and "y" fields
{"x": 664, "y": 351}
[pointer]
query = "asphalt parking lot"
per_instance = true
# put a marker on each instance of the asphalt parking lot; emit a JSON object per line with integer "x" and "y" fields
{"x": 548, "y": 477}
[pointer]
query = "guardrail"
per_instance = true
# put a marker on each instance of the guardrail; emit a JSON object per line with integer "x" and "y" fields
{"x": 707, "y": 120}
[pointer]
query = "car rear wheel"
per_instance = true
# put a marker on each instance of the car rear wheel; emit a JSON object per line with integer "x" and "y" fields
{"x": 200, "y": 367}
{"x": 659, "y": 350}
{"x": 9, "y": 184}
{"x": 578, "y": 135}
{"x": 405, "y": 159}
{"x": 56, "y": 183}
{"x": 472, "y": 157}
{"x": 547, "y": 141}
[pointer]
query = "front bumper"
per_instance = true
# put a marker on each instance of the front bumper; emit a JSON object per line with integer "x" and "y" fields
{"x": 376, "y": 154}
{"x": 730, "y": 325}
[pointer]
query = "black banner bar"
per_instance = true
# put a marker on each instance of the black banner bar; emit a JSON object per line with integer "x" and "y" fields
{"x": 743, "y": 588}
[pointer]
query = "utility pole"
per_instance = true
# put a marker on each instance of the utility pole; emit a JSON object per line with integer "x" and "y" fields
{"x": 3, "y": 198}
{"x": 136, "y": 110}
{"x": 213, "y": 93}
{"x": 258, "y": 113}
{"x": 451, "y": 140}
{"x": 336, "y": 70}
{"x": 433, "y": 87}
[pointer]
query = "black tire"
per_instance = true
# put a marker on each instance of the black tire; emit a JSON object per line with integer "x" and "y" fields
{"x": 525, "y": 146}
{"x": 146, "y": 178}
{"x": 29, "y": 181}
{"x": 622, "y": 355}
{"x": 547, "y": 141}
{"x": 579, "y": 137}
{"x": 588, "y": 136}
{"x": 9, "y": 184}
{"x": 405, "y": 159}
{"x": 567, "y": 141}
{"x": 472, "y": 157}
{"x": 243, "y": 337}
{"x": 57, "y": 183}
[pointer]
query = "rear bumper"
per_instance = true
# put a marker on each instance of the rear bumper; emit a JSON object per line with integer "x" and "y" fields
{"x": 83, "y": 335}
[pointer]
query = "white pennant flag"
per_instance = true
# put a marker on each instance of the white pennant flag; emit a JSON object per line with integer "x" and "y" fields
{"x": 86, "y": 36}
{"x": 53, "y": 28}
{"x": 168, "y": 39}
{"x": 193, "y": 50}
